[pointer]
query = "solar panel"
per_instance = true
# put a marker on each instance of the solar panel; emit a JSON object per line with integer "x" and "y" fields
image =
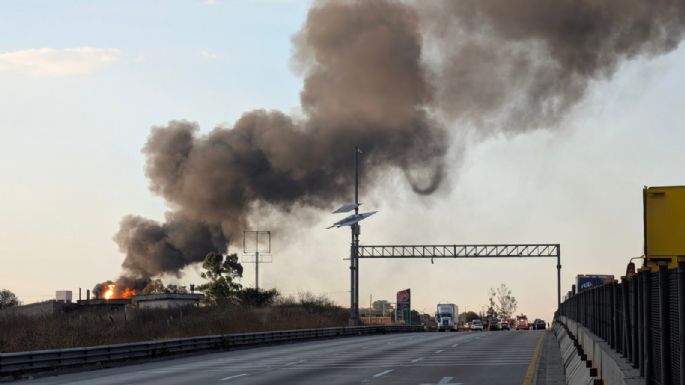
{"x": 352, "y": 219}
{"x": 346, "y": 207}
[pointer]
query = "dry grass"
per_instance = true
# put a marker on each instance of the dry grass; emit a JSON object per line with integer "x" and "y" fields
{"x": 91, "y": 327}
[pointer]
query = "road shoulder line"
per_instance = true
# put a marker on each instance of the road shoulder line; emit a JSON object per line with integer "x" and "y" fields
{"x": 527, "y": 380}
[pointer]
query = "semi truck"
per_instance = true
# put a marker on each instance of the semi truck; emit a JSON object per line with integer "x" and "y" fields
{"x": 447, "y": 317}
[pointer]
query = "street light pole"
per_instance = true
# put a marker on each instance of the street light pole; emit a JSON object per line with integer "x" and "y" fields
{"x": 354, "y": 260}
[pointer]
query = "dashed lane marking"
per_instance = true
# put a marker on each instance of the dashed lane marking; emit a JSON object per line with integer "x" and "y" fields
{"x": 381, "y": 374}
{"x": 417, "y": 359}
{"x": 294, "y": 363}
{"x": 232, "y": 377}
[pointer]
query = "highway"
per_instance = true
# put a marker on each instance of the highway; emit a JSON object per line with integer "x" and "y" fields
{"x": 408, "y": 358}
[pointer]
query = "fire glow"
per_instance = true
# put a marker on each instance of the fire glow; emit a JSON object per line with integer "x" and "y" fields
{"x": 109, "y": 292}
{"x": 113, "y": 293}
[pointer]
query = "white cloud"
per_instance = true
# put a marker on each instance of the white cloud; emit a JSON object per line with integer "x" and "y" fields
{"x": 57, "y": 62}
{"x": 210, "y": 2}
{"x": 209, "y": 55}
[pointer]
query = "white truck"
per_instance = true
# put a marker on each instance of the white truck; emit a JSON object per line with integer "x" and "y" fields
{"x": 447, "y": 317}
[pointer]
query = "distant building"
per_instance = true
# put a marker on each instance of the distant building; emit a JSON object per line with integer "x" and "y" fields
{"x": 167, "y": 301}
{"x": 118, "y": 304}
{"x": 39, "y": 309}
{"x": 63, "y": 296}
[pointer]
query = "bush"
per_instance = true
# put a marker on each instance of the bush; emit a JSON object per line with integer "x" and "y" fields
{"x": 257, "y": 298}
{"x": 90, "y": 327}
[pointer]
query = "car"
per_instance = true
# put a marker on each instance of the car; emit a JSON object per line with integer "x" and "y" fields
{"x": 504, "y": 325}
{"x": 477, "y": 324}
{"x": 493, "y": 324}
{"x": 539, "y": 324}
{"x": 522, "y": 323}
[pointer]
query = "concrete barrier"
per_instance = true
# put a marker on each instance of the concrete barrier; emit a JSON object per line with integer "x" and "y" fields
{"x": 608, "y": 366}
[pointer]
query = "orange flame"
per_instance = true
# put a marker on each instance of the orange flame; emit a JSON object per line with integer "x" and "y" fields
{"x": 112, "y": 292}
{"x": 128, "y": 293}
{"x": 109, "y": 293}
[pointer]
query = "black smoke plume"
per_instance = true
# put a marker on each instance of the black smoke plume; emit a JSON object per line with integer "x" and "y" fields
{"x": 370, "y": 81}
{"x": 522, "y": 64}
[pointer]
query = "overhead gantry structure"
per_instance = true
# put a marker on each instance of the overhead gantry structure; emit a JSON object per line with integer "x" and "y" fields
{"x": 357, "y": 252}
{"x": 533, "y": 250}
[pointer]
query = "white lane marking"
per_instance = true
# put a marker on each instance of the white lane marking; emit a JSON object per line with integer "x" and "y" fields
{"x": 446, "y": 381}
{"x": 294, "y": 363}
{"x": 455, "y": 345}
{"x": 439, "y": 351}
{"x": 417, "y": 360}
{"x": 383, "y": 373}
{"x": 230, "y": 377}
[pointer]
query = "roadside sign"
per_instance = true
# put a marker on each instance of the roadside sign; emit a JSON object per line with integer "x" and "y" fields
{"x": 404, "y": 306}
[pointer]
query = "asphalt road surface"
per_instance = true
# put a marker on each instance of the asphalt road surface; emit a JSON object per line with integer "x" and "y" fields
{"x": 408, "y": 358}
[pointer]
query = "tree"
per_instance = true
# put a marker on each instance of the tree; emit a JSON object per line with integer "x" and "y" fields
{"x": 506, "y": 303}
{"x": 469, "y": 316}
{"x": 175, "y": 289}
{"x": 155, "y": 286}
{"x": 8, "y": 299}
{"x": 382, "y": 306}
{"x": 415, "y": 317}
{"x": 221, "y": 271}
{"x": 492, "y": 311}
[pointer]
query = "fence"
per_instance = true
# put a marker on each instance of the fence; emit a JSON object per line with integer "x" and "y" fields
{"x": 643, "y": 318}
{"x": 14, "y": 364}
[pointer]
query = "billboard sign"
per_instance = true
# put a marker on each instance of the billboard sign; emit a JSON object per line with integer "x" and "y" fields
{"x": 584, "y": 282}
{"x": 404, "y": 306}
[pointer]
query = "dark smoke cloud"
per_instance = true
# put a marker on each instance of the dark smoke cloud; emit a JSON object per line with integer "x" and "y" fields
{"x": 364, "y": 86}
{"x": 369, "y": 81}
{"x": 153, "y": 249}
{"x": 522, "y": 64}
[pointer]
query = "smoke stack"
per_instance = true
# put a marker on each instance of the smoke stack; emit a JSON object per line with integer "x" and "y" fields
{"x": 87, "y": 294}
{"x": 79, "y": 293}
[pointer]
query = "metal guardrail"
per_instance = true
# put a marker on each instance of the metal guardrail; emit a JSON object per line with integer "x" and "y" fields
{"x": 15, "y": 364}
{"x": 642, "y": 318}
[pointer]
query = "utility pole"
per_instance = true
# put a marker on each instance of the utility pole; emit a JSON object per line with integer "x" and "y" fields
{"x": 354, "y": 261}
{"x": 256, "y": 264}
{"x": 558, "y": 277}
{"x": 257, "y": 250}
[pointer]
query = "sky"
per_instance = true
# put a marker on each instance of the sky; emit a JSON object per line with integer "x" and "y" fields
{"x": 82, "y": 83}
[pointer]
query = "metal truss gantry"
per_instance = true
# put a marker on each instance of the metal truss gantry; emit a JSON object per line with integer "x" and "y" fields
{"x": 459, "y": 251}
{"x": 546, "y": 250}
